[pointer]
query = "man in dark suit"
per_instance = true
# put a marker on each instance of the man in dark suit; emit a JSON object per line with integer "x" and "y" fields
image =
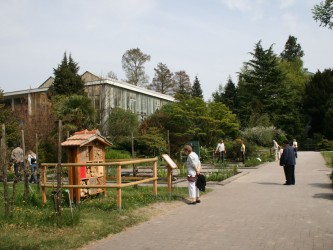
{"x": 288, "y": 161}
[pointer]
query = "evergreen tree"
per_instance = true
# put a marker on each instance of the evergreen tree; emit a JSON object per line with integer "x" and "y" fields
{"x": 318, "y": 102}
{"x": 292, "y": 50}
{"x": 196, "y": 88}
{"x": 133, "y": 64}
{"x": 67, "y": 81}
{"x": 261, "y": 90}
{"x": 229, "y": 95}
{"x": 163, "y": 80}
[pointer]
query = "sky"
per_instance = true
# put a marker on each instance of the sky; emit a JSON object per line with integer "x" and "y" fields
{"x": 210, "y": 39}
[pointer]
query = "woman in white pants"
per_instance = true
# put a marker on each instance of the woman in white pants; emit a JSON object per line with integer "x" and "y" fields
{"x": 193, "y": 165}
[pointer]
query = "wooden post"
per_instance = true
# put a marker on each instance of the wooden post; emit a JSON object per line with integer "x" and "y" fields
{"x": 43, "y": 176}
{"x": 169, "y": 179}
{"x": 4, "y": 170}
{"x": 118, "y": 177}
{"x": 155, "y": 175}
{"x": 25, "y": 170}
{"x": 58, "y": 194}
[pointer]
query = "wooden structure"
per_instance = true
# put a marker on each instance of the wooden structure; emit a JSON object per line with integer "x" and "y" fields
{"x": 86, "y": 147}
{"x": 170, "y": 165}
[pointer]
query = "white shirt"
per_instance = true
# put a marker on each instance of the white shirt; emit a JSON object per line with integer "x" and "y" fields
{"x": 220, "y": 147}
{"x": 193, "y": 163}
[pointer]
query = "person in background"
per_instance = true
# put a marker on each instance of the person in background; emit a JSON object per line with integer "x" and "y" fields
{"x": 243, "y": 149}
{"x": 295, "y": 146}
{"x": 193, "y": 165}
{"x": 288, "y": 161}
{"x": 32, "y": 161}
{"x": 220, "y": 148}
{"x": 17, "y": 158}
{"x": 276, "y": 149}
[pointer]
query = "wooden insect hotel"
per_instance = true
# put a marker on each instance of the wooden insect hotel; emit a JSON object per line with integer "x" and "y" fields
{"x": 86, "y": 147}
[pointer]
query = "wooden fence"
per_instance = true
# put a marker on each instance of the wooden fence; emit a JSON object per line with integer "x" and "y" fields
{"x": 118, "y": 183}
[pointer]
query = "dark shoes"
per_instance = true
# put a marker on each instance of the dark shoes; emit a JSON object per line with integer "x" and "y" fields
{"x": 192, "y": 203}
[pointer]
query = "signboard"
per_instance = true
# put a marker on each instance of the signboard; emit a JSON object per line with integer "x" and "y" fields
{"x": 170, "y": 162}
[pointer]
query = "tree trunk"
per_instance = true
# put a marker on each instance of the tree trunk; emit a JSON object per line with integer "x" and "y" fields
{"x": 4, "y": 169}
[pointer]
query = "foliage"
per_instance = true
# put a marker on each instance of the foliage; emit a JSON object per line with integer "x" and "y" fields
{"x": 325, "y": 145}
{"x": 263, "y": 136}
{"x": 292, "y": 50}
{"x": 121, "y": 124}
{"x": 317, "y": 101}
{"x": 196, "y": 89}
{"x": 163, "y": 80}
{"x": 92, "y": 219}
{"x": 222, "y": 174}
{"x": 227, "y": 95}
{"x": 117, "y": 154}
{"x": 76, "y": 112}
{"x": 67, "y": 81}
{"x": 323, "y": 13}
{"x": 11, "y": 124}
{"x": 133, "y": 61}
{"x": 182, "y": 84}
{"x": 152, "y": 142}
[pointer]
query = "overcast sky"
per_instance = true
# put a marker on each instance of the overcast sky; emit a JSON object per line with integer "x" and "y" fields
{"x": 210, "y": 39}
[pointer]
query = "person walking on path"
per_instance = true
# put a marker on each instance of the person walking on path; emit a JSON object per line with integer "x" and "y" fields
{"x": 193, "y": 165}
{"x": 276, "y": 150}
{"x": 288, "y": 161}
{"x": 17, "y": 158}
{"x": 243, "y": 149}
{"x": 220, "y": 148}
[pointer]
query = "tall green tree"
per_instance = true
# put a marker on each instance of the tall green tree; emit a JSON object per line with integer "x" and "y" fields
{"x": 163, "y": 80}
{"x": 323, "y": 13}
{"x": 67, "y": 81}
{"x": 292, "y": 50}
{"x": 318, "y": 103}
{"x": 262, "y": 91}
{"x": 182, "y": 83}
{"x": 196, "y": 88}
{"x": 226, "y": 94}
{"x": 133, "y": 61}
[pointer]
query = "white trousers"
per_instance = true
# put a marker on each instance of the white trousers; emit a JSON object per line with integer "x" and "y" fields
{"x": 193, "y": 191}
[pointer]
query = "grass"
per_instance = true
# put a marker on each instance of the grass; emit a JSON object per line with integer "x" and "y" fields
{"x": 33, "y": 225}
{"x": 328, "y": 156}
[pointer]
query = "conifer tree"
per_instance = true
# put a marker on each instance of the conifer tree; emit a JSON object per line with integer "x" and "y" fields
{"x": 196, "y": 88}
{"x": 67, "y": 81}
{"x": 292, "y": 50}
{"x": 162, "y": 81}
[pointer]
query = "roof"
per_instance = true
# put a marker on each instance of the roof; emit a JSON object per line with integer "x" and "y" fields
{"x": 81, "y": 138}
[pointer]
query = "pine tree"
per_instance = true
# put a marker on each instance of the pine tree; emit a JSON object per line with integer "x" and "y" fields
{"x": 67, "y": 81}
{"x": 162, "y": 81}
{"x": 182, "y": 83}
{"x": 196, "y": 88}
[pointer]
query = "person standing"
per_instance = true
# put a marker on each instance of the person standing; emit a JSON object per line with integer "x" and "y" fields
{"x": 276, "y": 149}
{"x": 193, "y": 165}
{"x": 221, "y": 150}
{"x": 32, "y": 161}
{"x": 243, "y": 149}
{"x": 288, "y": 161}
{"x": 17, "y": 158}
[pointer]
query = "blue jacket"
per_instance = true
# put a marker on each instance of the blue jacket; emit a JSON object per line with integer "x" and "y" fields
{"x": 288, "y": 156}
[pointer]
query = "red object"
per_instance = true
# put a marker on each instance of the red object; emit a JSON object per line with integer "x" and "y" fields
{"x": 83, "y": 172}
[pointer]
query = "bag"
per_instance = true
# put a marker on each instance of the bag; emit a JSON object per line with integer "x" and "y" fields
{"x": 192, "y": 178}
{"x": 201, "y": 182}
{"x": 33, "y": 160}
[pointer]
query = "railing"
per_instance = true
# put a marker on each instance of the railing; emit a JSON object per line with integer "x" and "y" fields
{"x": 118, "y": 185}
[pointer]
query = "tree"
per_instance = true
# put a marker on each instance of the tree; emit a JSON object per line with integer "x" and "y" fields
{"x": 196, "y": 88}
{"x": 261, "y": 89}
{"x": 292, "y": 50}
{"x": 133, "y": 64}
{"x": 226, "y": 94}
{"x": 162, "y": 81}
{"x": 76, "y": 111}
{"x": 121, "y": 124}
{"x": 182, "y": 83}
{"x": 323, "y": 13}
{"x": 318, "y": 103}
{"x": 67, "y": 81}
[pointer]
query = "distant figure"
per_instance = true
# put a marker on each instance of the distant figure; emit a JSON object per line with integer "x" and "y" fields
{"x": 32, "y": 161}
{"x": 295, "y": 146}
{"x": 17, "y": 158}
{"x": 193, "y": 165}
{"x": 243, "y": 151}
{"x": 276, "y": 150}
{"x": 220, "y": 148}
{"x": 288, "y": 161}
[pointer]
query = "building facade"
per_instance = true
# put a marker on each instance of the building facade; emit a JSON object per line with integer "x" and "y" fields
{"x": 106, "y": 95}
